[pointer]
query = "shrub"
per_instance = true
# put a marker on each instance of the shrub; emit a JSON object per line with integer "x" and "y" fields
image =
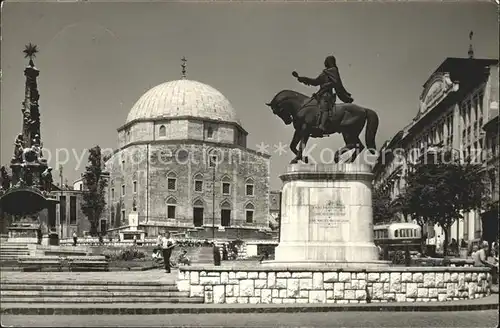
{"x": 398, "y": 257}
{"x": 127, "y": 254}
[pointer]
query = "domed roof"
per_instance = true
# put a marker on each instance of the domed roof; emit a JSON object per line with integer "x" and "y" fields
{"x": 183, "y": 98}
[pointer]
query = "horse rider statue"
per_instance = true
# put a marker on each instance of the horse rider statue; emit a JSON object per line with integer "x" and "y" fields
{"x": 328, "y": 81}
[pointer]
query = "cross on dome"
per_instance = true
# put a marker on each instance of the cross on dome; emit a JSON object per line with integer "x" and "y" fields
{"x": 471, "y": 49}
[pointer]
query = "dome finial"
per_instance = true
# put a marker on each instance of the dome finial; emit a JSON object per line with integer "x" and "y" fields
{"x": 30, "y": 51}
{"x": 471, "y": 49}
{"x": 184, "y": 60}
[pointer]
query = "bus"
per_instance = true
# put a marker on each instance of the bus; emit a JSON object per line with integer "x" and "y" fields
{"x": 397, "y": 236}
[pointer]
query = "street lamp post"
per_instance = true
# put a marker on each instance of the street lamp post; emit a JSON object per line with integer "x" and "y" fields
{"x": 213, "y": 201}
{"x": 212, "y": 164}
{"x": 216, "y": 253}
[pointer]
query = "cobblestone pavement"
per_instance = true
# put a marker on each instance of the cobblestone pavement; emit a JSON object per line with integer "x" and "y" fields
{"x": 156, "y": 275}
{"x": 338, "y": 319}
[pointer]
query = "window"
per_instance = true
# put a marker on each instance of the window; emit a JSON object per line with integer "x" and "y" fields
{"x": 226, "y": 186}
{"x": 210, "y": 132}
{"x": 123, "y": 190}
{"x": 172, "y": 181}
{"x": 198, "y": 183}
{"x": 171, "y": 205}
{"x": 112, "y": 193}
{"x": 62, "y": 209}
{"x": 72, "y": 210}
{"x": 249, "y": 209}
{"x": 123, "y": 216}
{"x": 135, "y": 186}
{"x": 249, "y": 189}
{"x": 162, "y": 131}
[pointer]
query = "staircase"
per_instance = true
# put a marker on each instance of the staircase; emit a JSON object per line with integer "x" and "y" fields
{"x": 11, "y": 251}
{"x": 15, "y": 293}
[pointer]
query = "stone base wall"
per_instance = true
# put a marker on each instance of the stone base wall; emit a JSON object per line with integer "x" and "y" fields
{"x": 393, "y": 284}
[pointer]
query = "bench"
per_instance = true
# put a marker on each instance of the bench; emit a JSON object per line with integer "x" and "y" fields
{"x": 38, "y": 263}
{"x": 87, "y": 263}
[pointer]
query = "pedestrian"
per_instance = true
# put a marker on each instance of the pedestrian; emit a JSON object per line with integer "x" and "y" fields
{"x": 167, "y": 245}
{"x": 75, "y": 238}
{"x": 481, "y": 256}
{"x": 224, "y": 253}
{"x": 159, "y": 239}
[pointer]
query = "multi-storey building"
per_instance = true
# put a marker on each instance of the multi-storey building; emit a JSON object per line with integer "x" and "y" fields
{"x": 490, "y": 215}
{"x": 183, "y": 165}
{"x": 458, "y": 99}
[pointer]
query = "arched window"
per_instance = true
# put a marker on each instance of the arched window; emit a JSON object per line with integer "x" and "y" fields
{"x": 226, "y": 185}
{"x": 249, "y": 209}
{"x": 249, "y": 187}
{"x": 225, "y": 214}
{"x": 162, "y": 131}
{"x": 171, "y": 207}
{"x": 172, "y": 181}
{"x": 198, "y": 182}
{"x": 198, "y": 203}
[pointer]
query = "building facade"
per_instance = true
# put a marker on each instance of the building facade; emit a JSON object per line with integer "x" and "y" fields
{"x": 490, "y": 215}
{"x": 458, "y": 99}
{"x": 182, "y": 165}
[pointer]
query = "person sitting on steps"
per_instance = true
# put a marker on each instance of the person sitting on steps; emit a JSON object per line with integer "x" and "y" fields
{"x": 328, "y": 81}
{"x": 183, "y": 259}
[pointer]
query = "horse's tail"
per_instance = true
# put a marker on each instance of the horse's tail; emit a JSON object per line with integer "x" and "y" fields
{"x": 371, "y": 130}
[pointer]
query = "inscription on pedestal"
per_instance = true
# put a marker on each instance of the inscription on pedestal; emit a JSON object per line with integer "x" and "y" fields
{"x": 329, "y": 214}
{"x": 327, "y": 208}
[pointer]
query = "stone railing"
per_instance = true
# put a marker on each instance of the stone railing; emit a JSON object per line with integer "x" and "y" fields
{"x": 392, "y": 284}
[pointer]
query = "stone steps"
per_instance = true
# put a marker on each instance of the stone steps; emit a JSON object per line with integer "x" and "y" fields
{"x": 89, "y": 288}
{"x": 90, "y": 293}
{"x": 40, "y": 291}
{"x": 9, "y": 251}
{"x": 101, "y": 300}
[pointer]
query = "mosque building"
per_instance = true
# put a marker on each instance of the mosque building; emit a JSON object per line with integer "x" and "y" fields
{"x": 182, "y": 165}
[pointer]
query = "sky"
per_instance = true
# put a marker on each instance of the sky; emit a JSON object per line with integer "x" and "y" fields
{"x": 96, "y": 60}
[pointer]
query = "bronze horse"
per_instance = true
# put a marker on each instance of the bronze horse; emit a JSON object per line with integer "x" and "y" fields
{"x": 303, "y": 112}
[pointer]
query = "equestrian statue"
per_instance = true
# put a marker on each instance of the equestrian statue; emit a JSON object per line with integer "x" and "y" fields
{"x": 320, "y": 116}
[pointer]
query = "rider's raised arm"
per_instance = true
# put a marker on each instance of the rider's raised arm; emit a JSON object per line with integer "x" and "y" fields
{"x": 314, "y": 82}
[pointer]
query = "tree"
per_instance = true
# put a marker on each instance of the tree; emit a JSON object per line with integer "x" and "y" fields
{"x": 440, "y": 193}
{"x": 95, "y": 185}
{"x": 381, "y": 204}
{"x": 408, "y": 204}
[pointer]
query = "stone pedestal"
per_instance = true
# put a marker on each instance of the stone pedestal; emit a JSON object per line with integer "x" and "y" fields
{"x": 327, "y": 217}
{"x": 133, "y": 224}
{"x": 24, "y": 233}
